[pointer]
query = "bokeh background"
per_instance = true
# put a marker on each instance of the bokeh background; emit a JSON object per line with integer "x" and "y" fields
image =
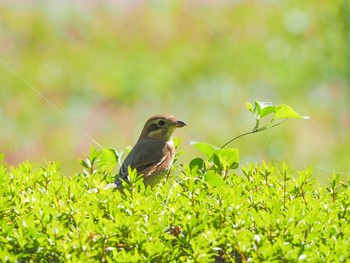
{"x": 109, "y": 65}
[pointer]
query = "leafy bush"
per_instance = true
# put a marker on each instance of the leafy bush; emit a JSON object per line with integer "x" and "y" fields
{"x": 201, "y": 214}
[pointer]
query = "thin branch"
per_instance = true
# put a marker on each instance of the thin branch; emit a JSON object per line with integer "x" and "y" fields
{"x": 239, "y": 136}
{"x": 256, "y": 129}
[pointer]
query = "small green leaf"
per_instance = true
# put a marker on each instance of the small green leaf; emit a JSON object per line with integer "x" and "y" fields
{"x": 284, "y": 111}
{"x": 228, "y": 157}
{"x": 93, "y": 154}
{"x": 109, "y": 156}
{"x": 257, "y": 108}
{"x": 197, "y": 162}
{"x": 267, "y": 110}
{"x": 177, "y": 141}
{"x": 249, "y": 107}
{"x": 85, "y": 164}
{"x": 205, "y": 148}
{"x": 214, "y": 179}
{"x": 263, "y": 109}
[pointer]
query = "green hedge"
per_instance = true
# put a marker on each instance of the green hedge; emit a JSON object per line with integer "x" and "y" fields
{"x": 263, "y": 214}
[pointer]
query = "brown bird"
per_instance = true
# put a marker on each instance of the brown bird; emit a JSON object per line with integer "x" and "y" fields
{"x": 153, "y": 153}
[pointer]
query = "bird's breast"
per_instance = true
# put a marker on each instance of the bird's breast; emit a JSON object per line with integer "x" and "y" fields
{"x": 158, "y": 171}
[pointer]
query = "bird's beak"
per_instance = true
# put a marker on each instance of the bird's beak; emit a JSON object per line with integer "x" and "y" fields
{"x": 179, "y": 124}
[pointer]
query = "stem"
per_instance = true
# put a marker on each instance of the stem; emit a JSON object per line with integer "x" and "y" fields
{"x": 256, "y": 129}
{"x": 239, "y": 136}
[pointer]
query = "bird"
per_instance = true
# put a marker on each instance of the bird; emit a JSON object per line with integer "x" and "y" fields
{"x": 153, "y": 154}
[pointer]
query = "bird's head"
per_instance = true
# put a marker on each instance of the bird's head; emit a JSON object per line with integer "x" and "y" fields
{"x": 161, "y": 127}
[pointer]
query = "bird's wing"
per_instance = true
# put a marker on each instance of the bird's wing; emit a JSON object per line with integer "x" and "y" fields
{"x": 146, "y": 153}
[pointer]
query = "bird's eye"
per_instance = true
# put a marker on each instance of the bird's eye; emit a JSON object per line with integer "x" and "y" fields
{"x": 161, "y": 123}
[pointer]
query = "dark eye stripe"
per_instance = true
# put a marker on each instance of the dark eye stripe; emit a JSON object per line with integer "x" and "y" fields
{"x": 153, "y": 127}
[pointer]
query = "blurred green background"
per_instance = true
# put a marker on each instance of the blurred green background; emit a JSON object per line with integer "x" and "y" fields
{"x": 109, "y": 65}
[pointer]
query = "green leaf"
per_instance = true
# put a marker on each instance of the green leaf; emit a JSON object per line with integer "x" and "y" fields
{"x": 284, "y": 111}
{"x": 226, "y": 157}
{"x": 257, "y": 105}
{"x": 249, "y": 107}
{"x": 197, "y": 162}
{"x": 93, "y": 154}
{"x": 261, "y": 109}
{"x": 205, "y": 148}
{"x": 85, "y": 164}
{"x": 109, "y": 156}
{"x": 264, "y": 108}
{"x": 267, "y": 109}
{"x": 214, "y": 179}
{"x": 177, "y": 141}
